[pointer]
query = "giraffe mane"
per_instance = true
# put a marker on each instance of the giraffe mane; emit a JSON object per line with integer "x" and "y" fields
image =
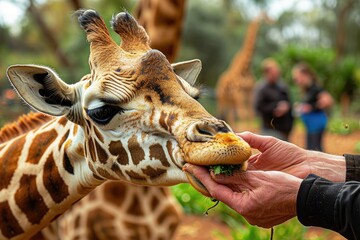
{"x": 22, "y": 125}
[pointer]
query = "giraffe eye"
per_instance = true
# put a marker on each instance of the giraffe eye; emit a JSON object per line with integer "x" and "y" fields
{"x": 104, "y": 114}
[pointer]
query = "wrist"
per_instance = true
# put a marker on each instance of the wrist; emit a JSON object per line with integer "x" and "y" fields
{"x": 328, "y": 166}
{"x": 293, "y": 197}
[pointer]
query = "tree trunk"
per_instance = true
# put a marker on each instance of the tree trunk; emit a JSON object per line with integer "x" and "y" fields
{"x": 340, "y": 46}
{"x": 49, "y": 36}
{"x": 341, "y": 27}
{"x": 76, "y": 4}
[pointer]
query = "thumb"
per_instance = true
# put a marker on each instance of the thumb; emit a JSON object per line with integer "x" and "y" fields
{"x": 238, "y": 177}
{"x": 262, "y": 143}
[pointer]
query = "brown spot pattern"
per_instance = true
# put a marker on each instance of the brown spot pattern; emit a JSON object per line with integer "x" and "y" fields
{"x": 172, "y": 118}
{"x": 169, "y": 149}
{"x": 97, "y": 228}
{"x": 138, "y": 231}
{"x": 162, "y": 121}
{"x": 75, "y": 129}
{"x": 135, "y": 207}
{"x": 105, "y": 173}
{"x": 53, "y": 181}
{"x": 115, "y": 168}
{"x": 67, "y": 164}
{"x": 98, "y": 135}
{"x": 9, "y": 161}
{"x": 134, "y": 175}
{"x": 92, "y": 150}
{"x": 77, "y": 222}
{"x": 39, "y": 145}
{"x": 102, "y": 155}
{"x": 154, "y": 202}
{"x": 117, "y": 149}
{"x": 169, "y": 211}
{"x": 9, "y": 226}
{"x": 153, "y": 173}
{"x": 114, "y": 192}
{"x": 136, "y": 151}
{"x": 38, "y": 236}
{"x": 63, "y": 139}
{"x": 29, "y": 200}
{"x": 62, "y": 121}
{"x": 148, "y": 99}
{"x": 157, "y": 152}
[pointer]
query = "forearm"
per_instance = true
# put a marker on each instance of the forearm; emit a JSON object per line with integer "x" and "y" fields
{"x": 328, "y": 166}
{"x": 334, "y": 206}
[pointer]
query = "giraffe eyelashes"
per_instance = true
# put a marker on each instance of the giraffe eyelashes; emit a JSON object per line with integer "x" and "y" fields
{"x": 103, "y": 115}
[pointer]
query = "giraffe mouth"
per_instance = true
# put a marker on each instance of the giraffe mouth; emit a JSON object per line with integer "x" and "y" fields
{"x": 195, "y": 182}
{"x": 221, "y": 149}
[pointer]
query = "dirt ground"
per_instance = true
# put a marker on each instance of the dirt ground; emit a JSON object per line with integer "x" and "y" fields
{"x": 204, "y": 228}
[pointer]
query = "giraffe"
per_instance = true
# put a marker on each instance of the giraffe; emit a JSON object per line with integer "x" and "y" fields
{"x": 163, "y": 20}
{"x": 133, "y": 118}
{"x": 235, "y": 86}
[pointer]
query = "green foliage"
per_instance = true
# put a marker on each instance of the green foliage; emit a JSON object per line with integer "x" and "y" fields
{"x": 357, "y": 147}
{"x": 343, "y": 126}
{"x": 338, "y": 79}
{"x": 224, "y": 169}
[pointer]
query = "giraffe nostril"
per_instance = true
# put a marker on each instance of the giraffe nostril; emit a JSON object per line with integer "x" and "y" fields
{"x": 204, "y": 131}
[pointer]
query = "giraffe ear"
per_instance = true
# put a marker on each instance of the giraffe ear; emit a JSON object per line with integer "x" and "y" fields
{"x": 188, "y": 70}
{"x": 42, "y": 89}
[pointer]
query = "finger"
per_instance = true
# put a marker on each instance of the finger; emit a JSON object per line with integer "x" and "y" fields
{"x": 254, "y": 158}
{"x": 259, "y": 142}
{"x": 220, "y": 192}
{"x": 240, "y": 178}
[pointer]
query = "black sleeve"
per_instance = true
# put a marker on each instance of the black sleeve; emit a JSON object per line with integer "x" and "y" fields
{"x": 352, "y": 167}
{"x": 334, "y": 206}
{"x": 262, "y": 105}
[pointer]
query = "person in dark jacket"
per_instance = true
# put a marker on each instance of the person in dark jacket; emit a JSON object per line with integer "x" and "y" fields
{"x": 314, "y": 103}
{"x": 284, "y": 181}
{"x": 272, "y": 102}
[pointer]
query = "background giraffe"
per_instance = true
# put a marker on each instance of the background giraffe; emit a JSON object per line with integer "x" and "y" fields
{"x": 133, "y": 118}
{"x": 163, "y": 20}
{"x": 235, "y": 86}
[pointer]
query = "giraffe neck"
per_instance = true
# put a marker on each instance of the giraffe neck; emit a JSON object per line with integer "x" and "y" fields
{"x": 43, "y": 172}
{"x": 242, "y": 60}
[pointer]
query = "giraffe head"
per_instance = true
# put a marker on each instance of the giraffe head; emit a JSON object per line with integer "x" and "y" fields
{"x": 139, "y": 119}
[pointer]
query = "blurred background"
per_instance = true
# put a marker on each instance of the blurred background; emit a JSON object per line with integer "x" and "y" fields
{"x": 324, "y": 33}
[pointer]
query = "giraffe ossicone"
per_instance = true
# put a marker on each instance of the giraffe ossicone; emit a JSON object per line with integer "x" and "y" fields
{"x": 133, "y": 118}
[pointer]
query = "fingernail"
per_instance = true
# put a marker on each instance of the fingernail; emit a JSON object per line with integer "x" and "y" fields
{"x": 187, "y": 168}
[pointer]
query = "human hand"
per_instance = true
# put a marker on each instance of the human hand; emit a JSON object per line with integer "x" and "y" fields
{"x": 305, "y": 108}
{"x": 281, "y": 109}
{"x": 263, "y": 198}
{"x": 282, "y": 156}
{"x": 325, "y": 100}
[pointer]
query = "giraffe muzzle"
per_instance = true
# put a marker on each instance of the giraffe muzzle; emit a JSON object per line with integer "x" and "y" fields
{"x": 214, "y": 143}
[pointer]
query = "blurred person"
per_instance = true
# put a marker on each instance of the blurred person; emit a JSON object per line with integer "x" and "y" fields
{"x": 272, "y": 102}
{"x": 312, "y": 108}
{"x": 284, "y": 181}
